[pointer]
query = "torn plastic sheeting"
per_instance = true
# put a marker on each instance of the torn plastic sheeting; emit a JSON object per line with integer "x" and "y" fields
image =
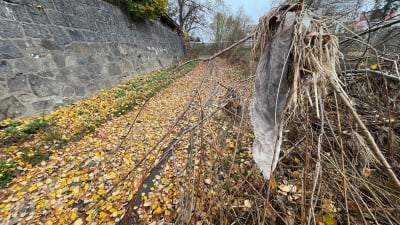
{"x": 270, "y": 95}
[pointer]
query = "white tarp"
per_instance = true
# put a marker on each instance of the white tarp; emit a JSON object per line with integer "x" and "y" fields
{"x": 270, "y": 94}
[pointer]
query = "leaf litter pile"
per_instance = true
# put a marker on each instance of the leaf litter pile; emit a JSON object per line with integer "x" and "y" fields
{"x": 129, "y": 155}
{"x": 171, "y": 149}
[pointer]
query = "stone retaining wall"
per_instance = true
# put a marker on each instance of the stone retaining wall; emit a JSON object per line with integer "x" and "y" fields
{"x": 54, "y": 52}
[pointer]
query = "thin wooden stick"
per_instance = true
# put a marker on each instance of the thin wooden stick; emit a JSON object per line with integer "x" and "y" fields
{"x": 366, "y": 71}
{"x": 228, "y": 48}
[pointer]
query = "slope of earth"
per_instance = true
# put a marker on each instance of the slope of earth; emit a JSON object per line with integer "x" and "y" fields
{"x": 183, "y": 130}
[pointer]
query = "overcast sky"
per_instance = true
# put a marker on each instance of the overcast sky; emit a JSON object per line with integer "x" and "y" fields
{"x": 253, "y": 8}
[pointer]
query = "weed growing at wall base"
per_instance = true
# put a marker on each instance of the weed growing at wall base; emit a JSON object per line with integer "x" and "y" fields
{"x": 7, "y": 172}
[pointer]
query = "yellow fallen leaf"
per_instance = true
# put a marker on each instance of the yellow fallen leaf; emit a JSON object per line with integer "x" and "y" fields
{"x": 287, "y": 188}
{"x": 102, "y": 215}
{"x": 78, "y": 222}
{"x": 155, "y": 206}
{"x": 73, "y": 215}
{"x": 101, "y": 191}
{"x": 329, "y": 219}
{"x": 158, "y": 211}
{"x": 58, "y": 211}
{"x": 373, "y": 66}
{"x": 272, "y": 183}
{"x": 247, "y": 203}
{"x": 147, "y": 203}
{"x": 33, "y": 188}
{"x": 89, "y": 218}
{"x": 83, "y": 178}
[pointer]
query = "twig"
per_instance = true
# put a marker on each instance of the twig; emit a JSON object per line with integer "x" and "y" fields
{"x": 391, "y": 76}
{"x": 374, "y": 147}
{"x": 370, "y": 30}
{"x": 228, "y": 48}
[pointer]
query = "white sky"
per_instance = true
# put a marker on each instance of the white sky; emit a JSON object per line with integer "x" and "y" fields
{"x": 253, "y": 8}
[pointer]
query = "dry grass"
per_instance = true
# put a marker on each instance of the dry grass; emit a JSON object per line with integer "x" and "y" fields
{"x": 329, "y": 162}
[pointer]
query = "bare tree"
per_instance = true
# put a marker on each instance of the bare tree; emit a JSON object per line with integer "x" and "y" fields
{"x": 191, "y": 14}
{"x": 228, "y": 28}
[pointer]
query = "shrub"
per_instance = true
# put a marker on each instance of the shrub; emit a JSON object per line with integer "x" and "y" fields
{"x": 142, "y": 8}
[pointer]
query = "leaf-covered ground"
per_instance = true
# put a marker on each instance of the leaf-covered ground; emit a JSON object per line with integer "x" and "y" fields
{"x": 90, "y": 162}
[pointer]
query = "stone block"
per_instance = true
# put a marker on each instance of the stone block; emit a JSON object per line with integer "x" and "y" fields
{"x": 90, "y": 36}
{"x": 128, "y": 67}
{"x": 101, "y": 26}
{"x": 80, "y": 48}
{"x": 113, "y": 69}
{"x": 58, "y": 18}
{"x": 5, "y": 68}
{"x": 105, "y": 84}
{"x": 17, "y": 82}
{"x": 100, "y": 38}
{"x": 32, "y": 48}
{"x": 38, "y": 15}
{"x": 10, "y": 29}
{"x": 46, "y": 74}
{"x": 63, "y": 6}
{"x": 26, "y": 65}
{"x": 59, "y": 59}
{"x": 8, "y": 50}
{"x": 60, "y": 35}
{"x": 93, "y": 87}
{"x": 68, "y": 75}
{"x": 79, "y": 10}
{"x": 115, "y": 50}
{"x": 46, "y": 63}
{"x": 10, "y": 107}
{"x": 3, "y": 89}
{"x": 42, "y": 105}
{"x": 50, "y": 45}
{"x": 82, "y": 60}
{"x": 93, "y": 3}
{"x": 76, "y": 35}
{"x": 79, "y": 91}
{"x": 71, "y": 60}
{"x": 25, "y": 97}
{"x": 68, "y": 91}
{"x": 43, "y": 87}
{"x": 77, "y": 22}
{"x": 95, "y": 69}
{"x": 36, "y": 31}
{"x": 85, "y": 78}
{"x": 15, "y": 12}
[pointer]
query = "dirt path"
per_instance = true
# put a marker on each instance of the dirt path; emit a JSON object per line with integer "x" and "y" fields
{"x": 90, "y": 181}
